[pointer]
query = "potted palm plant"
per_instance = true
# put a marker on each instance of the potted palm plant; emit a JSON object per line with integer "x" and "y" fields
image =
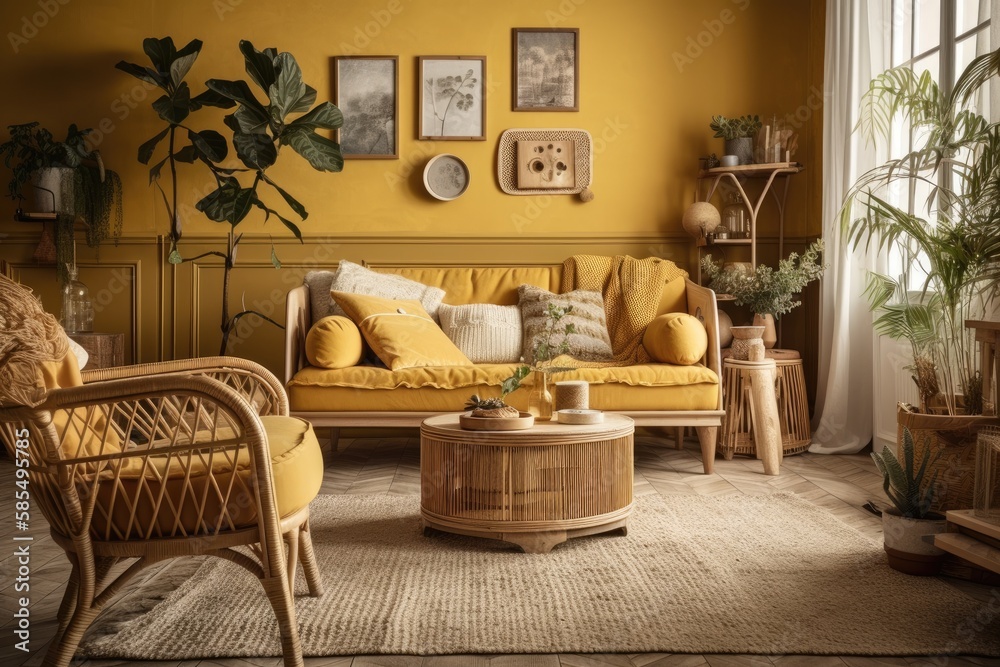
{"x": 950, "y": 247}
{"x": 768, "y": 292}
{"x": 909, "y": 526}
{"x": 66, "y": 178}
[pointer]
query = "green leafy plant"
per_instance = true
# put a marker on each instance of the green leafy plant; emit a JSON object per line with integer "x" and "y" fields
{"x": 955, "y": 244}
{"x": 734, "y": 128}
{"x": 259, "y": 129}
{"x": 767, "y": 290}
{"x": 97, "y": 192}
{"x": 905, "y": 486}
{"x": 548, "y": 347}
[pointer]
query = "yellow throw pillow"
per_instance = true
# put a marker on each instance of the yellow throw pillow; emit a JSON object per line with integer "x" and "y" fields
{"x": 676, "y": 338}
{"x": 334, "y": 342}
{"x": 400, "y": 332}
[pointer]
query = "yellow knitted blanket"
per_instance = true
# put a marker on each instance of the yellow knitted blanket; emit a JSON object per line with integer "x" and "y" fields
{"x": 631, "y": 288}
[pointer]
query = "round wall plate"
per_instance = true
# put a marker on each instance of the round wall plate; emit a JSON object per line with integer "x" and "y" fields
{"x": 446, "y": 177}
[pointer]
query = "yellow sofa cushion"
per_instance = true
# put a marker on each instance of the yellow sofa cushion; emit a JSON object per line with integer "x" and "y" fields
{"x": 400, "y": 332}
{"x": 676, "y": 338}
{"x": 334, "y": 342}
{"x": 625, "y": 388}
{"x": 483, "y": 284}
{"x": 296, "y": 469}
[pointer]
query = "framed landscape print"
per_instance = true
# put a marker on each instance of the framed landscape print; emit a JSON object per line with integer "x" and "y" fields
{"x": 366, "y": 90}
{"x": 452, "y": 100}
{"x": 546, "y": 69}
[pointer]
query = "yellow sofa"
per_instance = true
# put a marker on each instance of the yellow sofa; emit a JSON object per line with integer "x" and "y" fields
{"x": 652, "y": 394}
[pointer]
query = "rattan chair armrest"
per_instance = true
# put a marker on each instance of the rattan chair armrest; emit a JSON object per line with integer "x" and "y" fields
{"x": 246, "y": 377}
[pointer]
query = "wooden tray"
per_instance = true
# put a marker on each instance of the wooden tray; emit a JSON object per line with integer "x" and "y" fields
{"x": 470, "y": 423}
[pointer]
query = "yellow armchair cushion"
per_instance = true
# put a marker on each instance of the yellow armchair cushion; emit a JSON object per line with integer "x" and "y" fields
{"x": 334, "y": 342}
{"x": 296, "y": 471}
{"x": 676, "y": 338}
{"x": 400, "y": 332}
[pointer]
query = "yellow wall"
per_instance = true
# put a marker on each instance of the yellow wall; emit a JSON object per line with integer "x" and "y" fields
{"x": 652, "y": 74}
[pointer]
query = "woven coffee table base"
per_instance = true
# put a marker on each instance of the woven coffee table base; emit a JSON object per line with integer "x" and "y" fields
{"x": 534, "y": 488}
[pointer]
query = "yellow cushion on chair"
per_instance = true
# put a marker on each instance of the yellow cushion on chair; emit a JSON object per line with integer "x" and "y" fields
{"x": 296, "y": 469}
{"x": 400, "y": 332}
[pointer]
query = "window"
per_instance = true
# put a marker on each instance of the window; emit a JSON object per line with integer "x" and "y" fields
{"x": 941, "y": 37}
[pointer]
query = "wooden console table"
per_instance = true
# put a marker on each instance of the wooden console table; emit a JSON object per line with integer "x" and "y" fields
{"x": 106, "y": 350}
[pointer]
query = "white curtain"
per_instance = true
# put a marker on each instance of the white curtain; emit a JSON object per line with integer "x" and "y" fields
{"x": 857, "y": 49}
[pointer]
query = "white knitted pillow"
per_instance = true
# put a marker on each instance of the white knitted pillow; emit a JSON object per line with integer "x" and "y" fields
{"x": 356, "y": 279}
{"x": 485, "y": 332}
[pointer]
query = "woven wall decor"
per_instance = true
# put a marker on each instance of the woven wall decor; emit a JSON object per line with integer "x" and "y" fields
{"x": 507, "y": 159}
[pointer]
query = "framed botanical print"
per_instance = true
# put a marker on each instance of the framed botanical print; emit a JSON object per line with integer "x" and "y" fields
{"x": 452, "y": 99}
{"x": 366, "y": 90}
{"x": 546, "y": 69}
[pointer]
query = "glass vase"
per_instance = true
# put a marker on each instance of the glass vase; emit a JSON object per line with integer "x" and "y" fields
{"x": 540, "y": 399}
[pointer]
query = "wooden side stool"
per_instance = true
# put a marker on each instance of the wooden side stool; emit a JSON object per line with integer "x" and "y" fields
{"x": 793, "y": 408}
{"x": 752, "y": 411}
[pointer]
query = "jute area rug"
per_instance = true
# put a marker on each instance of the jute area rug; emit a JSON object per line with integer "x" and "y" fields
{"x": 741, "y": 574}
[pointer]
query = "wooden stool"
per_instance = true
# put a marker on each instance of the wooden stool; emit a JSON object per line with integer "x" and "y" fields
{"x": 752, "y": 411}
{"x": 793, "y": 408}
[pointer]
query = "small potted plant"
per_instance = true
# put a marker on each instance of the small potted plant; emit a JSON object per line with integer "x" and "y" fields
{"x": 768, "y": 292}
{"x": 738, "y": 134}
{"x": 497, "y": 407}
{"x": 68, "y": 179}
{"x": 909, "y": 526}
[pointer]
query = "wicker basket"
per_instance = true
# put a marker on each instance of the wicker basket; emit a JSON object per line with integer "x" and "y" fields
{"x": 955, "y": 438}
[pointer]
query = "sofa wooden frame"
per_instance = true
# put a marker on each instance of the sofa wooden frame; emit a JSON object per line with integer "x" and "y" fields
{"x": 701, "y": 303}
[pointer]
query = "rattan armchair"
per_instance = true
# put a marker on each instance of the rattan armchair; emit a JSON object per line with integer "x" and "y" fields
{"x": 149, "y": 462}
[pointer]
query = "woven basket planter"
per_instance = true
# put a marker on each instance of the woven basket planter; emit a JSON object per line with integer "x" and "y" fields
{"x": 955, "y": 438}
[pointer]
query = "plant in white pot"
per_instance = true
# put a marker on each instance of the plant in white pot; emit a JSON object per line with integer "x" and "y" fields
{"x": 768, "y": 292}
{"x": 910, "y": 525}
{"x": 67, "y": 178}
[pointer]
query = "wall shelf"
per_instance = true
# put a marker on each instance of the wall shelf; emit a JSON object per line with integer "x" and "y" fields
{"x": 769, "y": 173}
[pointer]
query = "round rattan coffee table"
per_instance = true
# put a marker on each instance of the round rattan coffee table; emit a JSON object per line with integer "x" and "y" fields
{"x": 534, "y": 488}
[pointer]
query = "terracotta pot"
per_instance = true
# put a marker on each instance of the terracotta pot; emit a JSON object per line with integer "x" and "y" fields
{"x": 909, "y": 543}
{"x": 770, "y": 336}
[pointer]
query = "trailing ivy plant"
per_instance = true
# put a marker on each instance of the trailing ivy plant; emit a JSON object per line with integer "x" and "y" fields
{"x": 259, "y": 130}
{"x": 97, "y": 192}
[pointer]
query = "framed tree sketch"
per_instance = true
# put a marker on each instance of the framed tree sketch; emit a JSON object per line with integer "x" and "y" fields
{"x": 452, "y": 99}
{"x": 366, "y": 89}
{"x": 546, "y": 69}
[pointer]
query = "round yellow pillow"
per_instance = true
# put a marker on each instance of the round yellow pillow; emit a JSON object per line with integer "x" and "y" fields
{"x": 676, "y": 338}
{"x": 334, "y": 342}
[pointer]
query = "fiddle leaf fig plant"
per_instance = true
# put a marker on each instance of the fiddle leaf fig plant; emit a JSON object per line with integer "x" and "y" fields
{"x": 169, "y": 68}
{"x": 259, "y": 128}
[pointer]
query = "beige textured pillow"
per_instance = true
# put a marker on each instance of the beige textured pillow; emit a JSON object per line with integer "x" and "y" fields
{"x": 485, "y": 332}
{"x": 356, "y": 279}
{"x": 589, "y": 342}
